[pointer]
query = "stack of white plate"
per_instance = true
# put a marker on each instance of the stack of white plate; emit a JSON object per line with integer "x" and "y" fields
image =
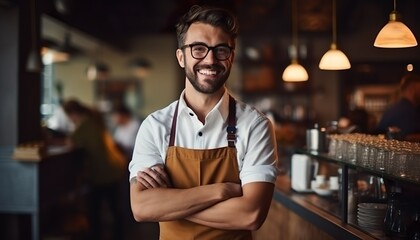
{"x": 370, "y": 217}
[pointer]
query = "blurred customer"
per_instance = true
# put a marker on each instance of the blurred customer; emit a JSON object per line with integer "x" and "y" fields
{"x": 405, "y": 114}
{"x": 357, "y": 120}
{"x": 59, "y": 122}
{"x": 104, "y": 165}
{"x": 125, "y": 132}
{"x": 126, "y": 127}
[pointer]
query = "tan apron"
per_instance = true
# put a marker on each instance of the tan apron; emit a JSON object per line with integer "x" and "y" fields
{"x": 189, "y": 168}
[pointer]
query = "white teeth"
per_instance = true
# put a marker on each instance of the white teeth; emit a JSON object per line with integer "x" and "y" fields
{"x": 207, "y": 72}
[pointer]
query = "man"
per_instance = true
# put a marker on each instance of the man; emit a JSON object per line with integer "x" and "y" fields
{"x": 405, "y": 114}
{"x": 205, "y": 165}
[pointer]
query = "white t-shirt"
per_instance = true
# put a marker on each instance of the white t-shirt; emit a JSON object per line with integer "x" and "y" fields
{"x": 125, "y": 135}
{"x": 255, "y": 142}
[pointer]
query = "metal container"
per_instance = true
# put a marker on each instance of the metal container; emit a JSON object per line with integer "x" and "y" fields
{"x": 316, "y": 140}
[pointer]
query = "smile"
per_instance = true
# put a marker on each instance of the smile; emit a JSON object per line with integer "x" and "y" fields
{"x": 207, "y": 72}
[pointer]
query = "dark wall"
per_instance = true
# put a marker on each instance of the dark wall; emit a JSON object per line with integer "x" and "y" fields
{"x": 19, "y": 89}
{"x": 8, "y": 75}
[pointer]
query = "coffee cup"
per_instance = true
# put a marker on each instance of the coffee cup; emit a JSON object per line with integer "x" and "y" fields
{"x": 334, "y": 183}
{"x": 320, "y": 181}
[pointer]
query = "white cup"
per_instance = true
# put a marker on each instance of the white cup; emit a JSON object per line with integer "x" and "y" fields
{"x": 334, "y": 182}
{"x": 320, "y": 180}
{"x": 313, "y": 184}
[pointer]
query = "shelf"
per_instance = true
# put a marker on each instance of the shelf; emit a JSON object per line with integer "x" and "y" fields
{"x": 325, "y": 157}
{"x": 410, "y": 188}
{"x": 319, "y": 211}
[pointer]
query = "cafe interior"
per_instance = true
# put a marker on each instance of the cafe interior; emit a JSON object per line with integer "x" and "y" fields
{"x": 307, "y": 64}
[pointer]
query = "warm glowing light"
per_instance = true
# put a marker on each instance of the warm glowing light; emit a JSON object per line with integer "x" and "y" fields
{"x": 334, "y": 59}
{"x": 295, "y": 73}
{"x": 395, "y": 34}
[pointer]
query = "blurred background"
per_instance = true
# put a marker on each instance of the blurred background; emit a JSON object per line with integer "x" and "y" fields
{"x": 111, "y": 52}
{"x": 108, "y": 51}
{"x": 134, "y": 43}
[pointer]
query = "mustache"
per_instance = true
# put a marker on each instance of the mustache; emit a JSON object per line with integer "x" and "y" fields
{"x": 213, "y": 67}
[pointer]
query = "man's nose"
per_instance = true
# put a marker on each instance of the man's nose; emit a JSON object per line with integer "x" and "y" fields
{"x": 211, "y": 57}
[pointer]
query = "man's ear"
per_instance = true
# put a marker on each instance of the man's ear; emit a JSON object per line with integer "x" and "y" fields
{"x": 233, "y": 56}
{"x": 180, "y": 57}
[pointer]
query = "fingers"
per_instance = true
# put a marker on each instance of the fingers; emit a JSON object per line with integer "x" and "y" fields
{"x": 162, "y": 174}
{"x": 147, "y": 181}
{"x": 154, "y": 177}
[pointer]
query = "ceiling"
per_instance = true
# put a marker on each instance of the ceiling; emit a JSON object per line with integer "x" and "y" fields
{"x": 115, "y": 21}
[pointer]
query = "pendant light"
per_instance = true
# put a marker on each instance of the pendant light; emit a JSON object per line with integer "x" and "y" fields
{"x": 33, "y": 62}
{"x": 334, "y": 59}
{"x": 294, "y": 72}
{"x": 395, "y": 34}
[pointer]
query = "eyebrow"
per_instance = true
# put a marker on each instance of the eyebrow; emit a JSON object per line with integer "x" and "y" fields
{"x": 203, "y": 43}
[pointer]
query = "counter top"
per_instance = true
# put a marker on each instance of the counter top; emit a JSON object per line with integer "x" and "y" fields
{"x": 320, "y": 211}
{"x": 35, "y": 154}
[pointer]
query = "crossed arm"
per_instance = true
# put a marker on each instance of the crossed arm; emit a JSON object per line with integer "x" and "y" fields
{"x": 219, "y": 205}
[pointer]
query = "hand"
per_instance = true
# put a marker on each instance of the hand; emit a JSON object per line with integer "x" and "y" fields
{"x": 154, "y": 177}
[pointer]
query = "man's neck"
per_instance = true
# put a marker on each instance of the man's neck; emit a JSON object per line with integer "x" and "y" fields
{"x": 202, "y": 103}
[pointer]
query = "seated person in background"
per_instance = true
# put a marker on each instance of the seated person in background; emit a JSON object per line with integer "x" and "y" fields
{"x": 126, "y": 127}
{"x": 59, "y": 124}
{"x": 125, "y": 131}
{"x": 405, "y": 114}
{"x": 356, "y": 121}
{"x": 104, "y": 165}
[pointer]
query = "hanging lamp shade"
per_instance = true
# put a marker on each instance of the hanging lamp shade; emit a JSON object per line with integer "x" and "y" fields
{"x": 33, "y": 61}
{"x": 295, "y": 72}
{"x": 334, "y": 59}
{"x": 97, "y": 71}
{"x": 395, "y": 34}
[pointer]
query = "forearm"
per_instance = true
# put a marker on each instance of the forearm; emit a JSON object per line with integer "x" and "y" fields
{"x": 246, "y": 212}
{"x": 166, "y": 204}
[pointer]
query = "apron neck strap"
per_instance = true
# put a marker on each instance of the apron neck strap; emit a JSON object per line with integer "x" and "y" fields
{"x": 231, "y": 128}
{"x": 173, "y": 128}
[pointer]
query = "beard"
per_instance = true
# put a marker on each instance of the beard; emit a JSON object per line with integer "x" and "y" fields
{"x": 210, "y": 85}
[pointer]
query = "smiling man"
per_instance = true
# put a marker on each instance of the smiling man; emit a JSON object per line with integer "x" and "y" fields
{"x": 204, "y": 167}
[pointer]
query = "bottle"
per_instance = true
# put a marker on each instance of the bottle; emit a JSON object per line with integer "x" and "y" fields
{"x": 399, "y": 227}
{"x": 390, "y": 212}
{"x": 414, "y": 229}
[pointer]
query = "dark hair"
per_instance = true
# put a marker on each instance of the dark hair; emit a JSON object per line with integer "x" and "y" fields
{"x": 122, "y": 109}
{"x": 217, "y": 17}
{"x": 360, "y": 118}
{"x": 408, "y": 79}
{"x": 73, "y": 106}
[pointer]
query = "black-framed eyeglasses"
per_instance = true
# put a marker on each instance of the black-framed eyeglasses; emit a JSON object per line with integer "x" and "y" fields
{"x": 200, "y": 50}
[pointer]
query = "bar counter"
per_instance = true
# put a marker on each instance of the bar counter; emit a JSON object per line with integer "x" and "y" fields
{"x": 304, "y": 216}
{"x": 34, "y": 188}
